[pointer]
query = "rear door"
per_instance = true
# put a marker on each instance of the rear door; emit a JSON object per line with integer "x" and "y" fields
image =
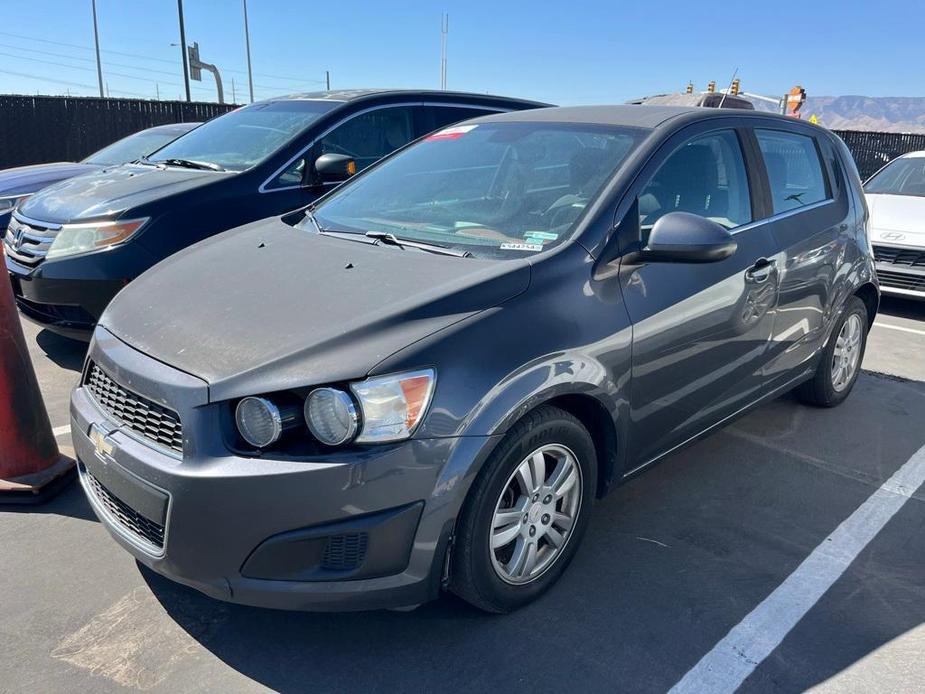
{"x": 809, "y": 213}
{"x": 700, "y": 331}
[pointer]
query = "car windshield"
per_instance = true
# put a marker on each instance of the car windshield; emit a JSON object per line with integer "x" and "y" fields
{"x": 132, "y": 147}
{"x": 904, "y": 176}
{"x": 498, "y": 190}
{"x": 246, "y": 136}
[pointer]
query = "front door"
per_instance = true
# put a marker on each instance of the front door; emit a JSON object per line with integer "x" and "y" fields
{"x": 700, "y": 331}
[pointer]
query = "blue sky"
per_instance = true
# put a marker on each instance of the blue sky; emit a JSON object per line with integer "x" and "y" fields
{"x": 563, "y": 52}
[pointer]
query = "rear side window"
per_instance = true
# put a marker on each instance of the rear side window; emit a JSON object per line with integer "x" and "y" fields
{"x": 794, "y": 168}
{"x": 434, "y": 117}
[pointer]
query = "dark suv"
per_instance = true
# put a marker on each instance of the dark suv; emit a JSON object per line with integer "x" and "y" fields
{"x": 424, "y": 380}
{"x": 74, "y": 245}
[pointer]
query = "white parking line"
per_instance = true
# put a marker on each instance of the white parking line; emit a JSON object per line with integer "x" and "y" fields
{"x": 898, "y": 327}
{"x": 733, "y": 659}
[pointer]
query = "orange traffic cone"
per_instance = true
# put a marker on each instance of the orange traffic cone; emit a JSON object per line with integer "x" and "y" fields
{"x": 31, "y": 467}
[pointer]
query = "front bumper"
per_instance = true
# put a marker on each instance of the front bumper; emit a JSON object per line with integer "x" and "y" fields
{"x": 260, "y": 531}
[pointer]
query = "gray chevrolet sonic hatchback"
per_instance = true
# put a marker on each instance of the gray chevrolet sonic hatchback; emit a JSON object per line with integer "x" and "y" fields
{"x": 425, "y": 379}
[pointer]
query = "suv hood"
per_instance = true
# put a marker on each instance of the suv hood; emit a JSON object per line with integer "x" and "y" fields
{"x": 28, "y": 179}
{"x": 111, "y": 191}
{"x": 268, "y": 307}
{"x": 898, "y": 220}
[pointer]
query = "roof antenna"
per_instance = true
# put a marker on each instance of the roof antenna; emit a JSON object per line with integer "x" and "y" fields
{"x": 729, "y": 88}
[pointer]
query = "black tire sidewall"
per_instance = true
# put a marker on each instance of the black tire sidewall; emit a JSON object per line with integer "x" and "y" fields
{"x": 563, "y": 430}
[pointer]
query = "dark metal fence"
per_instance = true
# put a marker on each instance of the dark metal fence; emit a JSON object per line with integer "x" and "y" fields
{"x": 872, "y": 150}
{"x": 38, "y": 129}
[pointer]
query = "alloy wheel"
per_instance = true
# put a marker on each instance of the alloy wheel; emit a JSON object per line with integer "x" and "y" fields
{"x": 847, "y": 355}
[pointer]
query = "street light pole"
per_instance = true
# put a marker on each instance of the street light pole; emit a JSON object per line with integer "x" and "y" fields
{"x": 247, "y": 44}
{"x": 96, "y": 40}
{"x": 183, "y": 49}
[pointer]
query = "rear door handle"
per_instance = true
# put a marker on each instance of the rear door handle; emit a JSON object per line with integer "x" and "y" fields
{"x": 761, "y": 270}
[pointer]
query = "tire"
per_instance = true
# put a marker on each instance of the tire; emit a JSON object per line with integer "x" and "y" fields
{"x": 488, "y": 577}
{"x": 825, "y": 388}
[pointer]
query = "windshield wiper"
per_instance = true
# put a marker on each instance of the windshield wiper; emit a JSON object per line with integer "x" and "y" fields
{"x": 191, "y": 164}
{"x": 392, "y": 240}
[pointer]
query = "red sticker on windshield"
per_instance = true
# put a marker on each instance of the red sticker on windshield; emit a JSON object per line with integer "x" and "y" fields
{"x": 453, "y": 133}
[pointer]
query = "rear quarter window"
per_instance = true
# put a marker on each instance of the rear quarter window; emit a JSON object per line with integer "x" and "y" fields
{"x": 795, "y": 172}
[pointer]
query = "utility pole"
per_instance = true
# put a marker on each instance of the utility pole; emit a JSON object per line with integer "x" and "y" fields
{"x": 247, "y": 44}
{"x": 234, "y": 94}
{"x": 183, "y": 49}
{"x": 327, "y": 79}
{"x": 444, "y": 29}
{"x": 96, "y": 40}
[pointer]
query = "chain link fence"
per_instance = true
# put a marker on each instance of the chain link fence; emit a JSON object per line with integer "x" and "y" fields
{"x": 39, "y": 129}
{"x": 871, "y": 150}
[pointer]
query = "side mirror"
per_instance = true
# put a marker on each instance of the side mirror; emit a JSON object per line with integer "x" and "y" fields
{"x": 333, "y": 168}
{"x": 682, "y": 237}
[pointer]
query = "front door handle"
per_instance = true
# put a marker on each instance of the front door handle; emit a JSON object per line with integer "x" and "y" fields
{"x": 761, "y": 270}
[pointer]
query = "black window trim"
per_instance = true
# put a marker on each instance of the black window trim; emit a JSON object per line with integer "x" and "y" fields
{"x": 267, "y": 187}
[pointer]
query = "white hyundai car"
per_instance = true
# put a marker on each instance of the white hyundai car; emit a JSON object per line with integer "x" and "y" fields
{"x": 896, "y": 198}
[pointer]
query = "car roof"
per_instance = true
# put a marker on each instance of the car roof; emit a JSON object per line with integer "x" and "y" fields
{"x": 349, "y": 95}
{"x": 629, "y": 115}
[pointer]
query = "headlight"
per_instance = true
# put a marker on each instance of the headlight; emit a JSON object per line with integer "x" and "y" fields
{"x": 92, "y": 236}
{"x": 392, "y": 406}
{"x": 8, "y": 204}
{"x": 261, "y": 422}
{"x": 331, "y": 416}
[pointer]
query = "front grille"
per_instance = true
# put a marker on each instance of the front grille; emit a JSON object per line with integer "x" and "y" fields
{"x": 28, "y": 243}
{"x": 344, "y": 552}
{"x": 901, "y": 280}
{"x": 909, "y": 257}
{"x": 154, "y": 422}
{"x": 125, "y": 515}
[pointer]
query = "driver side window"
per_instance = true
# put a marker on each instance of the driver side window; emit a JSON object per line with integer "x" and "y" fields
{"x": 705, "y": 176}
{"x": 370, "y": 136}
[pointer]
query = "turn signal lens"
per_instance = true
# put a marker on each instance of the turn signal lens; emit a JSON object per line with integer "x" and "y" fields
{"x": 331, "y": 416}
{"x": 394, "y": 405}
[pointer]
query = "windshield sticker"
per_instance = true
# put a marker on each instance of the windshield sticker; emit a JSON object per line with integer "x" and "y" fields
{"x": 545, "y": 235}
{"x": 453, "y": 133}
{"x": 521, "y": 246}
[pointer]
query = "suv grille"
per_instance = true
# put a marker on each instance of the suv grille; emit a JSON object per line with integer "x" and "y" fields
{"x": 154, "y": 422}
{"x": 127, "y": 517}
{"x": 909, "y": 257}
{"x": 28, "y": 243}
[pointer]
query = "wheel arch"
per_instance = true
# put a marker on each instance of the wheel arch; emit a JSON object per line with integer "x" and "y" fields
{"x": 870, "y": 295}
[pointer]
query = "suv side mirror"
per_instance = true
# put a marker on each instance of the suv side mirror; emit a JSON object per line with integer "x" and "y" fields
{"x": 682, "y": 237}
{"x": 333, "y": 168}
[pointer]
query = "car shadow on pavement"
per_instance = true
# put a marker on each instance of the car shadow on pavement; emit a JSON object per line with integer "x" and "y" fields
{"x": 64, "y": 352}
{"x": 902, "y": 308}
{"x": 70, "y": 502}
{"x": 671, "y": 562}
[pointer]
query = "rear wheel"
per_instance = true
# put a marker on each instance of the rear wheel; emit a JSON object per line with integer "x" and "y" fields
{"x": 526, "y": 512}
{"x": 841, "y": 359}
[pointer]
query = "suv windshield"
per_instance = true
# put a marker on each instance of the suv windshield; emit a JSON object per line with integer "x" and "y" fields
{"x": 494, "y": 189}
{"x": 132, "y": 147}
{"x": 900, "y": 177}
{"x": 246, "y": 136}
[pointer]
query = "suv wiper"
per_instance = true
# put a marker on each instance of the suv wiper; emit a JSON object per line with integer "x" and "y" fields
{"x": 392, "y": 240}
{"x": 191, "y": 164}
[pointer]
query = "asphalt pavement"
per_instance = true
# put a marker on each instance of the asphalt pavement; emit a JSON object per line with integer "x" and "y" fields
{"x": 783, "y": 553}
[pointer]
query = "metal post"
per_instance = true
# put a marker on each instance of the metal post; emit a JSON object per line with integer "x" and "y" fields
{"x": 183, "y": 49}
{"x": 247, "y": 44}
{"x": 444, "y": 28}
{"x": 327, "y": 79}
{"x": 96, "y": 40}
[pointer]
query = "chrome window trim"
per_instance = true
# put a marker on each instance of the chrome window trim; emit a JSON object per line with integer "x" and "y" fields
{"x": 263, "y": 188}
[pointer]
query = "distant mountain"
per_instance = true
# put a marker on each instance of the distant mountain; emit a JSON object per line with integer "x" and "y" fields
{"x": 895, "y": 114}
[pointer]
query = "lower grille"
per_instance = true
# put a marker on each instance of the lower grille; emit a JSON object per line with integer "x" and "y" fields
{"x": 155, "y": 422}
{"x": 125, "y": 515}
{"x": 900, "y": 280}
{"x": 910, "y": 257}
{"x": 344, "y": 552}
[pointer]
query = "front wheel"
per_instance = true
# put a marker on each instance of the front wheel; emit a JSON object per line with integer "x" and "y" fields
{"x": 526, "y": 512}
{"x": 841, "y": 359}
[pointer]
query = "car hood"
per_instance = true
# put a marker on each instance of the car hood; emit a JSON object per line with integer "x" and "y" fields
{"x": 111, "y": 191}
{"x": 268, "y": 307}
{"x": 28, "y": 179}
{"x": 897, "y": 219}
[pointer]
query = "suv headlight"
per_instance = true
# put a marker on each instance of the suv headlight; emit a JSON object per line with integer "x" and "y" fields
{"x": 92, "y": 236}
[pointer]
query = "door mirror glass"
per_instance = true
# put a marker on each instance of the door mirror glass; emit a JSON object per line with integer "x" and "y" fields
{"x": 682, "y": 237}
{"x": 333, "y": 168}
